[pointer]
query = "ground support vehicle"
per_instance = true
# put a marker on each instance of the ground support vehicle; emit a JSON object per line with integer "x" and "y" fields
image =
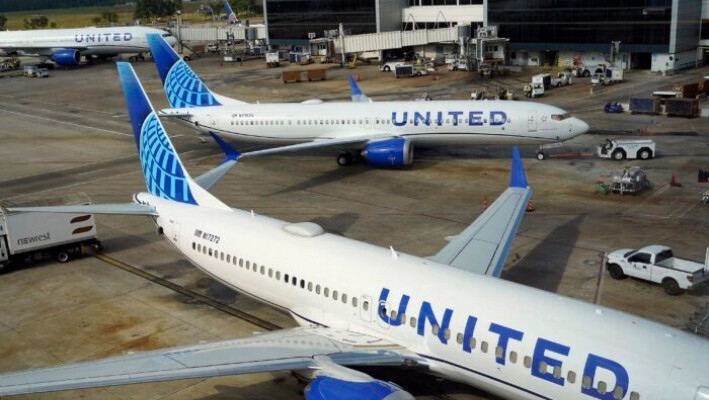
{"x": 26, "y": 236}
{"x": 649, "y": 105}
{"x": 613, "y": 108}
{"x": 643, "y": 149}
{"x": 657, "y": 263}
{"x": 405, "y": 71}
{"x": 562, "y": 79}
{"x": 273, "y": 59}
{"x": 9, "y": 64}
{"x": 390, "y": 66}
{"x": 705, "y": 197}
{"x": 631, "y": 180}
{"x": 534, "y": 90}
{"x": 459, "y": 65}
{"x": 544, "y": 79}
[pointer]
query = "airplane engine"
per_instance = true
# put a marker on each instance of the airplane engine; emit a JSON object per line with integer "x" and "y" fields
{"x": 66, "y": 57}
{"x": 329, "y": 388}
{"x": 395, "y": 152}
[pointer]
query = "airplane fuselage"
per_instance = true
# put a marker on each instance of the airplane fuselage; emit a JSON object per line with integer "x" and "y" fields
{"x": 424, "y": 123}
{"x": 89, "y": 41}
{"x": 487, "y": 332}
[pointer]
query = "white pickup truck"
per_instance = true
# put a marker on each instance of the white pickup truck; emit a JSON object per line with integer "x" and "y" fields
{"x": 656, "y": 263}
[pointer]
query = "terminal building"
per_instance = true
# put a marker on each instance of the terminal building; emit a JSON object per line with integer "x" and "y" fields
{"x": 660, "y": 35}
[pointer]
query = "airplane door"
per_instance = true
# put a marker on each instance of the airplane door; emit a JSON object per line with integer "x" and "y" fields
{"x": 532, "y": 121}
{"x": 175, "y": 234}
{"x": 365, "y": 309}
{"x": 383, "y": 309}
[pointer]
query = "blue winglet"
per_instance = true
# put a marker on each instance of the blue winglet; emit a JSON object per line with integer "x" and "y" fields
{"x": 229, "y": 152}
{"x": 354, "y": 89}
{"x": 517, "y": 178}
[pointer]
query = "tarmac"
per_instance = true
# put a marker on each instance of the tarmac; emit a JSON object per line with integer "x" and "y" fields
{"x": 69, "y": 133}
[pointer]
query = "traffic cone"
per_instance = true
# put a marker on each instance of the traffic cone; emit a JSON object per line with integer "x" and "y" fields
{"x": 484, "y": 207}
{"x": 673, "y": 181}
{"x": 530, "y": 206}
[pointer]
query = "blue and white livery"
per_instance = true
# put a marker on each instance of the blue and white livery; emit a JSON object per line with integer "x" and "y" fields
{"x": 383, "y": 133}
{"x": 67, "y": 46}
{"x": 362, "y": 305}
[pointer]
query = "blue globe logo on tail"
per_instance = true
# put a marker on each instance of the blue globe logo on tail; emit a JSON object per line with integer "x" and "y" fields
{"x": 184, "y": 89}
{"x": 164, "y": 175}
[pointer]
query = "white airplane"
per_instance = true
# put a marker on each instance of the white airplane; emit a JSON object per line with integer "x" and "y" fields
{"x": 66, "y": 46}
{"x": 363, "y": 305}
{"x": 230, "y": 14}
{"x": 385, "y": 133}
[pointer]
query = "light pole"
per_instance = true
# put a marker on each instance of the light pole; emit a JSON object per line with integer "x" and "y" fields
{"x": 615, "y": 48}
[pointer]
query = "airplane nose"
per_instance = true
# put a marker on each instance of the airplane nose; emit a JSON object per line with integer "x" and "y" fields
{"x": 578, "y": 127}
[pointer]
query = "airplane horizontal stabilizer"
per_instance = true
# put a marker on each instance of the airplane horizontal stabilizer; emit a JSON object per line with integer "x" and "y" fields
{"x": 119, "y": 209}
{"x": 483, "y": 246}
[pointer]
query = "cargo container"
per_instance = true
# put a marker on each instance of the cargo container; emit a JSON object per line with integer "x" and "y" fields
{"x": 292, "y": 76}
{"x": 317, "y": 74}
{"x": 682, "y": 107}
{"x": 688, "y": 90}
{"x": 649, "y": 105}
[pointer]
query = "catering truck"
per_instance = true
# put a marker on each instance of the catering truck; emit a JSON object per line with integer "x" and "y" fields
{"x": 657, "y": 264}
{"x": 28, "y": 236}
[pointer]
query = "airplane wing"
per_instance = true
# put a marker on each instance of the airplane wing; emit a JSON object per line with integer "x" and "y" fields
{"x": 483, "y": 246}
{"x": 121, "y": 209}
{"x": 289, "y": 349}
{"x": 211, "y": 177}
{"x": 347, "y": 142}
{"x": 357, "y": 95}
{"x": 38, "y": 51}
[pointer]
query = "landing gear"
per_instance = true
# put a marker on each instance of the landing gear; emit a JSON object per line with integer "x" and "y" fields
{"x": 345, "y": 158}
{"x": 541, "y": 155}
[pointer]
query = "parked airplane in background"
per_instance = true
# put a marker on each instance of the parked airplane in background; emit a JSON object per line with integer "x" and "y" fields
{"x": 384, "y": 133}
{"x": 362, "y": 305}
{"x": 66, "y": 46}
{"x": 230, "y": 14}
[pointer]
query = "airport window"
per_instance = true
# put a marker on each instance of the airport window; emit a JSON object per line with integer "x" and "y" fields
{"x": 571, "y": 377}
{"x": 344, "y": 298}
{"x": 527, "y": 362}
{"x": 634, "y": 396}
{"x": 557, "y": 372}
{"x": 459, "y": 338}
{"x": 317, "y": 289}
{"x": 270, "y": 272}
{"x": 602, "y": 386}
{"x": 326, "y": 292}
{"x": 499, "y": 351}
{"x": 310, "y": 286}
{"x": 365, "y": 305}
{"x": 513, "y": 357}
{"x": 435, "y": 329}
{"x": 586, "y": 382}
{"x": 335, "y": 295}
{"x": 472, "y": 343}
{"x": 618, "y": 393}
{"x": 354, "y": 302}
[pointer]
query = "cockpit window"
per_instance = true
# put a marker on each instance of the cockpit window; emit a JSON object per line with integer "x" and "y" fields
{"x": 166, "y": 35}
{"x": 560, "y": 117}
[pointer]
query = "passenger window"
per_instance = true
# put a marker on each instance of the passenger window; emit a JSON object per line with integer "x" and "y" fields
{"x": 447, "y": 334}
{"x": 221, "y": 256}
{"x": 365, "y": 305}
{"x": 586, "y": 382}
{"x": 435, "y": 329}
{"x": 571, "y": 377}
{"x": 402, "y": 318}
{"x": 286, "y": 278}
{"x": 194, "y": 245}
{"x": 310, "y": 286}
{"x": 248, "y": 264}
{"x": 326, "y": 292}
{"x": 228, "y": 258}
{"x": 199, "y": 247}
{"x": 557, "y": 372}
{"x": 602, "y": 387}
{"x": 344, "y": 298}
{"x": 472, "y": 343}
{"x": 499, "y": 351}
{"x": 483, "y": 346}
{"x": 634, "y": 396}
{"x": 210, "y": 252}
{"x": 302, "y": 283}
{"x": 334, "y": 295}
{"x": 459, "y": 338}
{"x": 204, "y": 249}
{"x": 413, "y": 322}
{"x": 354, "y": 302}
{"x": 317, "y": 289}
{"x": 513, "y": 357}
{"x": 233, "y": 259}
{"x": 527, "y": 362}
{"x": 618, "y": 393}
{"x": 278, "y": 275}
{"x": 393, "y": 315}
{"x": 542, "y": 367}
{"x": 294, "y": 281}
{"x": 270, "y": 272}
{"x": 263, "y": 270}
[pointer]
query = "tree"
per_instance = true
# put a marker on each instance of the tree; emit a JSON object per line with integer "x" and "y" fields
{"x": 109, "y": 17}
{"x": 148, "y": 9}
{"x": 3, "y": 21}
{"x": 36, "y": 22}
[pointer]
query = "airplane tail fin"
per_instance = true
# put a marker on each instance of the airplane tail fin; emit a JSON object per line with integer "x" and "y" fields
{"x": 230, "y": 14}
{"x": 182, "y": 86}
{"x": 164, "y": 173}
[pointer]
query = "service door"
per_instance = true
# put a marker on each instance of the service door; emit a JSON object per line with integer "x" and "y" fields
{"x": 175, "y": 234}
{"x": 365, "y": 309}
{"x": 532, "y": 121}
